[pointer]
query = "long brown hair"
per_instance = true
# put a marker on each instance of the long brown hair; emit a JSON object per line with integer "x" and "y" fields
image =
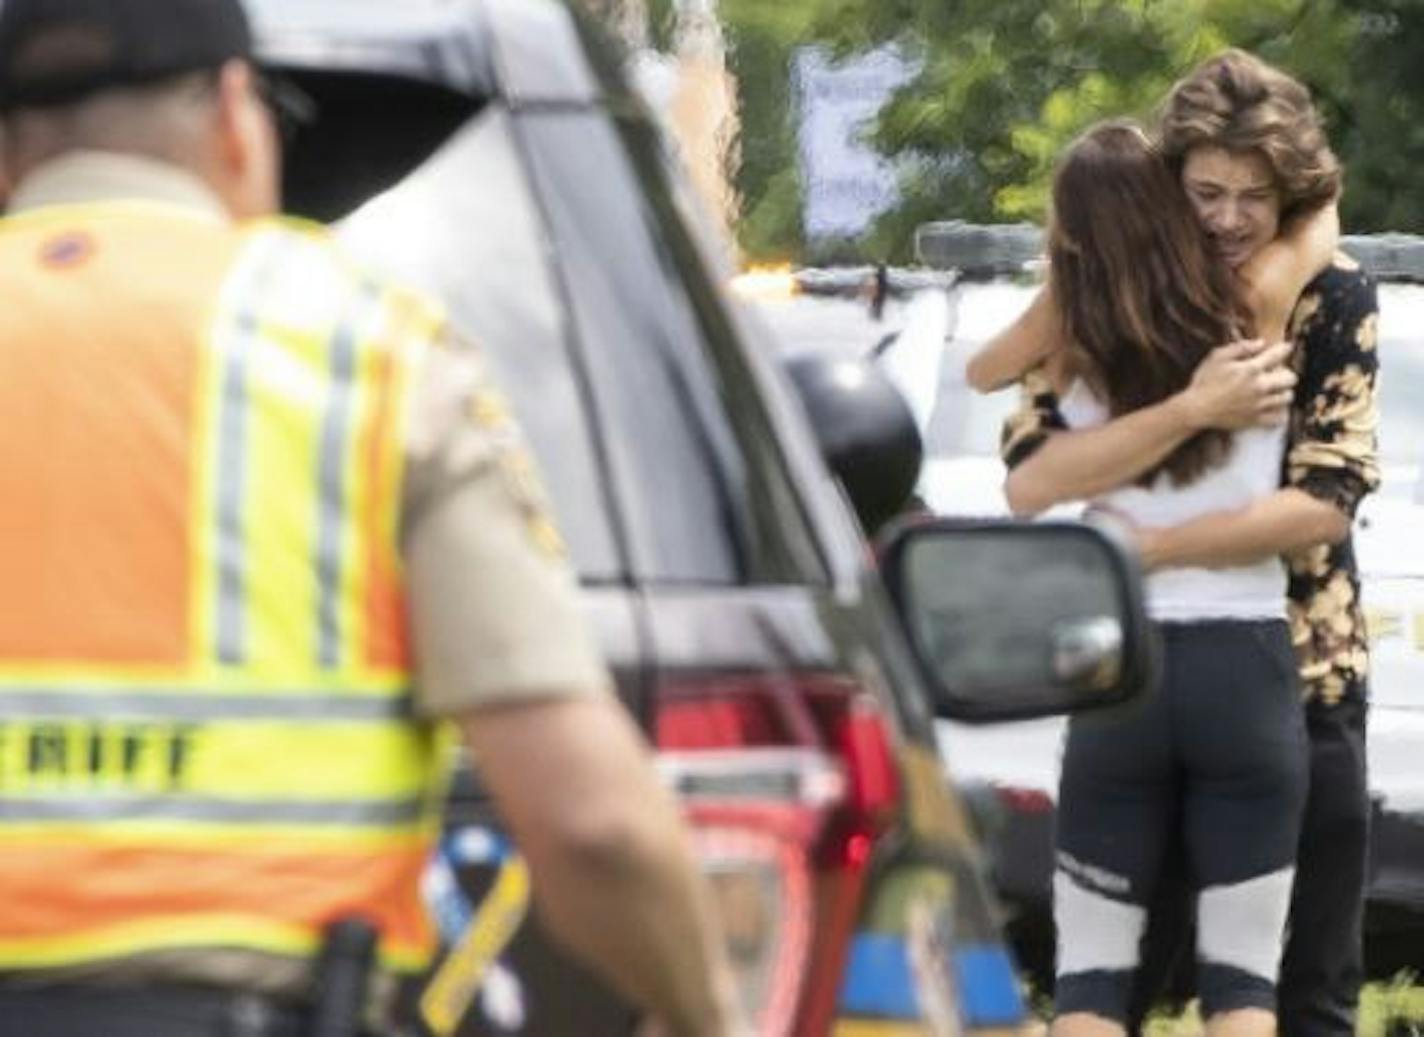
{"x": 1141, "y": 298}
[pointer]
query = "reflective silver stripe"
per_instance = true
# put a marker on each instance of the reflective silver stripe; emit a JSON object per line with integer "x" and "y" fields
{"x": 100, "y": 808}
{"x": 231, "y": 466}
{"x": 334, "y": 510}
{"x": 231, "y": 461}
{"x": 107, "y": 705}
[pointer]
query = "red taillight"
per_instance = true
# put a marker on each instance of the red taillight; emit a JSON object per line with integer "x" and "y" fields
{"x": 874, "y": 782}
{"x": 1024, "y": 801}
{"x": 787, "y": 781}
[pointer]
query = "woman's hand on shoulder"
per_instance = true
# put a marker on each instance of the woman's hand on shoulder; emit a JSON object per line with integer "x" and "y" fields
{"x": 1240, "y": 385}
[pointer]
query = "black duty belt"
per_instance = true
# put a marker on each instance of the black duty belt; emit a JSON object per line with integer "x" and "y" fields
{"x": 85, "y": 1011}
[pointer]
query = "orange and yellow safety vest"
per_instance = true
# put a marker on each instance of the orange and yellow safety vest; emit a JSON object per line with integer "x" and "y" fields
{"x": 206, "y": 736}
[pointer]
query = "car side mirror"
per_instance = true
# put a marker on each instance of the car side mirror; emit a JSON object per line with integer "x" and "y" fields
{"x": 866, "y": 431}
{"x": 1011, "y": 620}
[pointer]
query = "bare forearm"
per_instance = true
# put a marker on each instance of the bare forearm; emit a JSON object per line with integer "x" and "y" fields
{"x": 1238, "y": 385}
{"x": 1081, "y": 464}
{"x": 1285, "y": 521}
{"x": 1279, "y": 272}
{"x": 1005, "y": 358}
{"x": 635, "y": 912}
{"x": 613, "y": 873}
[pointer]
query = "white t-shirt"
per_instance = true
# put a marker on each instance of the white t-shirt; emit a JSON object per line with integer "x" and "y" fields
{"x": 1251, "y": 471}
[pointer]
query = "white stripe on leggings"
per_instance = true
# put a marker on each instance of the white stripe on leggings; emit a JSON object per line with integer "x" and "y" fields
{"x": 1244, "y": 925}
{"x": 1094, "y": 932}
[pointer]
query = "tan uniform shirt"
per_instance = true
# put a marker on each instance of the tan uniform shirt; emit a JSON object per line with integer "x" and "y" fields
{"x": 494, "y": 607}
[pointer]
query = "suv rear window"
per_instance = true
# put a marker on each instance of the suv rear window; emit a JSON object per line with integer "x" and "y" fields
{"x": 464, "y": 227}
{"x": 701, "y": 480}
{"x": 562, "y": 260}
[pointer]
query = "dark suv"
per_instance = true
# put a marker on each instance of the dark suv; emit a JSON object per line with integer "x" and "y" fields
{"x": 489, "y": 151}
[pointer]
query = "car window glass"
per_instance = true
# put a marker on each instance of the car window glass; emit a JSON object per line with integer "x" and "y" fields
{"x": 366, "y": 134}
{"x": 701, "y": 482}
{"x": 464, "y": 227}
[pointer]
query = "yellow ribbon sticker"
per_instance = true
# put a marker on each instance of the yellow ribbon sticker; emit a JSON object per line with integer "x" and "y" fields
{"x": 458, "y": 979}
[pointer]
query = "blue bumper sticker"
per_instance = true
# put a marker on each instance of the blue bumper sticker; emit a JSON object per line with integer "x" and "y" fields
{"x": 880, "y": 982}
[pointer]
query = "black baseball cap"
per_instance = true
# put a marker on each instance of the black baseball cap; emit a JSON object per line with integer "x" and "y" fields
{"x": 59, "y": 51}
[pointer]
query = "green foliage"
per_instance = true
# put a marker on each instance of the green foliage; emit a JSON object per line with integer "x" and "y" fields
{"x": 1377, "y": 106}
{"x": 1006, "y": 84}
{"x": 762, "y": 38}
{"x": 660, "y": 23}
{"x": 1396, "y": 1007}
{"x": 1386, "y": 1009}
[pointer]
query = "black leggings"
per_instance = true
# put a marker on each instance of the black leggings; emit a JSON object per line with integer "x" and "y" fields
{"x": 1217, "y": 750}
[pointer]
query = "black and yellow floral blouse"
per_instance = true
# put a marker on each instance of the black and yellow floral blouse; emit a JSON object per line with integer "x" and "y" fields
{"x": 1331, "y": 454}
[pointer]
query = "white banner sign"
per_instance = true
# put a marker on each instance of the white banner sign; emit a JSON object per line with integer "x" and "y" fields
{"x": 846, "y": 183}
